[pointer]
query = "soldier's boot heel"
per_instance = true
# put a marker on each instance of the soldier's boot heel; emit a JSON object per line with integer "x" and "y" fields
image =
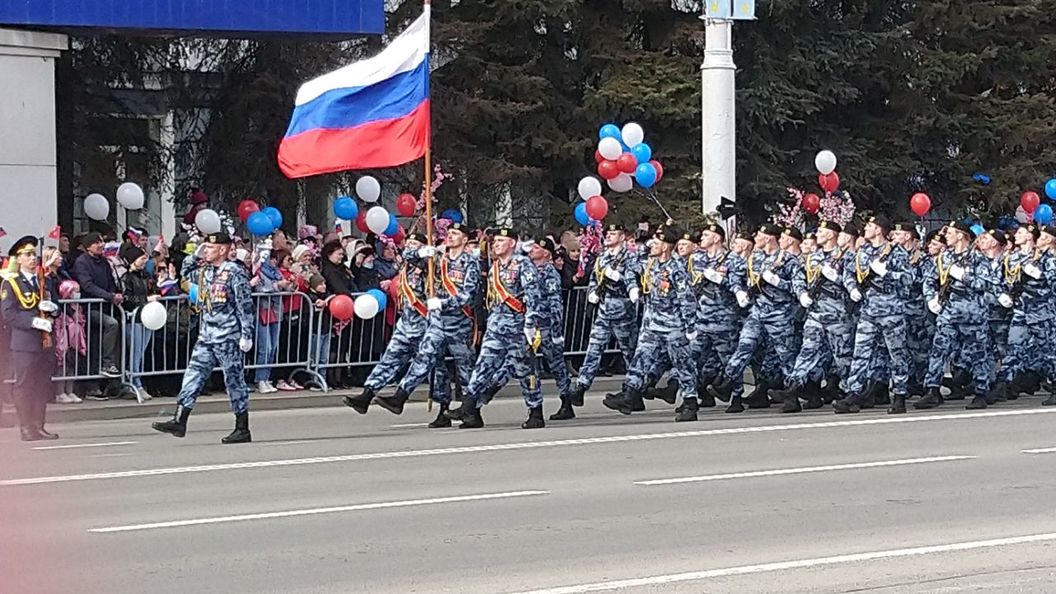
{"x": 736, "y": 406}
{"x": 1050, "y": 401}
{"x": 898, "y": 405}
{"x": 473, "y": 420}
{"x": 441, "y": 419}
{"x": 722, "y": 390}
{"x": 668, "y": 393}
{"x": 930, "y": 400}
{"x": 566, "y": 411}
{"x": 177, "y": 427}
{"x": 704, "y": 398}
{"x": 760, "y": 396}
{"x": 241, "y": 433}
{"x": 360, "y": 403}
{"x": 791, "y": 403}
{"x": 689, "y": 411}
{"x": 848, "y": 405}
{"x": 812, "y": 394}
{"x": 468, "y": 408}
{"x": 576, "y": 397}
{"x": 394, "y": 403}
{"x": 623, "y": 403}
{"x": 535, "y": 419}
{"x": 881, "y": 395}
{"x": 978, "y": 403}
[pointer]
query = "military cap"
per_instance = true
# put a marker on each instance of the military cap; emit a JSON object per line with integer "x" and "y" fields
{"x": 419, "y": 237}
{"x": 879, "y": 222}
{"x": 771, "y": 230}
{"x": 962, "y": 227}
{"x": 793, "y": 233}
{"x": 933, "y": 236}
{"x": 689, "y": 236}
{"x": 908, "y": 228}
{"x": 547, "y": 244}
{"x": 615, "y": 227}
{"x": 851, "y": 229}
{"x": 669, "y": 235}
{"x": 219, "y": 238}
{"x": 24, "y": 245}
{"x": 1033, "y": 229}
{"x": 460, "y": 227}
{"x": 506, "y": 232}
{"x": 998, "y": 236}
{"x": 831, "y": 226}
{"x": 716, "y": 229}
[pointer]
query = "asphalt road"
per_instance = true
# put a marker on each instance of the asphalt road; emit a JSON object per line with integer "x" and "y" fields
{"x": 329, "y": 501}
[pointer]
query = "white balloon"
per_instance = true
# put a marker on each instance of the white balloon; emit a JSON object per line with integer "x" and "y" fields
{"x": 207, "y": 221}
{"x": 130, "y": 196}
{"x": 610, "y": 148}
{"x": 825, "y": 162}
{"x": 153, "y": 316}
{"x": 1021, "y": 215}
{"x": 377, "y": 219}
{"x": 633, "y": 134}
{"x": 621, "y": 183}
{"x": 368, "y": 189}
{"x": 589, "y": 187}
{"x": 96, "y": 207}
{"x": 366, "y": 307}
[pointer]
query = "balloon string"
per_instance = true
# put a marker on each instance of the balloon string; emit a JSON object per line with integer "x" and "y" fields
{"x": 651, "y": 194}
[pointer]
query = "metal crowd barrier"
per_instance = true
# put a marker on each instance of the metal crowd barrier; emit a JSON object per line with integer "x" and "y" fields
{"x": 90, "y": 329}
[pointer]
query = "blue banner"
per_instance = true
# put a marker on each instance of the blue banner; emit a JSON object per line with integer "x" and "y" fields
{"x": 318, "y": 17}
{"x": 744, "y": 10}
{"x": 717, "y": 9}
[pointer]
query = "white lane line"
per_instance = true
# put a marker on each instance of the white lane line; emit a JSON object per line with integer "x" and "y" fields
{"x": 317, "y": 511}
{"x": 86, "y": 445}
{"x": 801, "y": 470}
{"x": 1039, "y": 451}
{"x": 886, "y": 420}
{"x": 800, "y": 564}
{"x": 407, "y": 425}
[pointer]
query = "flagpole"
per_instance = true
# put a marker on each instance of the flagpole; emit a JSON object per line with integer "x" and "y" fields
{"x": 431, "y": 266}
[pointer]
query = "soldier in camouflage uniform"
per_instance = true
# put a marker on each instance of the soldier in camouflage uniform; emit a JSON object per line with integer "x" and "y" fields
{"x": 959, "y": 293}
{"x": 993, "y": 244}
{"x": 514, "y": 321}
{"x": 668, "y": 326}
{"x": 228, "y": 322}
{"x": 713, "y": 271}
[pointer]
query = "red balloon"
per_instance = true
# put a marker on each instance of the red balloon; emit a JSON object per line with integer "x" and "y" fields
{"x": 627, "y": 163}
{"x": 811, "y": 203}
{"x": 246, "y": 208}
{"x": 598, "y": 157}
{"x": 361, "y": 221}
{"x": 341, "y": 307}
{"x": 1030, "y": 201}
{"x": 659, "y": 169}
{"x": 406, "y": 205}
{"x": 608, "y": 169}
{"x": 920, "y": 204}
{"x": 830, "y": 183}
{"x": 401, "y": 234}
{"x": 597, "y": 207}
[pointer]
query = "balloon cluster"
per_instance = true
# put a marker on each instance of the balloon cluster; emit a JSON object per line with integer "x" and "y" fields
{"x": 364, "y": 307}
{"x": 1030, "y": 203}
{"x": 260, "y": 223}
{"x": 374, "y": 219}
{"x": 828, "y": 179}
{"x": 129, "y": 195}
{"x": 623, "y": 158}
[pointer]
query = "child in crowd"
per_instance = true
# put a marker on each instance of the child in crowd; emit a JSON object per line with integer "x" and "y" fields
{"x": 321, "y": 297}
{"x": 71, "y": 345}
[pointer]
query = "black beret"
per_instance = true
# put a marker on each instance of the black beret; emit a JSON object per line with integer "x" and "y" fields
{"x": 547, "y": 244}
{"x": 771, "y": 230}
{"x": 715, "y": 228}
{"x": 460, "y": 227}
{"x": 908, "y": 228}
{"x": 998, "y": 235}
{"x": 1050, "y": 229}
{"x": 879, "y": 222}
{"x": 830, "y": 226}
{"x": 26, "y": 245}
{"x": 615, "y": 227}
{"x": 933, "y": 236}
{"x": 689, "y": 236}
{"x": 1032, "y": 229}
{"x": 419, "y": 237}
{"x": 220, "y": 238}
{"x": 669, "y": 235}
{"x": 851, "y": 229}
{"x": 505, "y": 232}
{"x": 745, "y": 235}
{"x": 962, "y": 227}
{"x": 793, "y": 233}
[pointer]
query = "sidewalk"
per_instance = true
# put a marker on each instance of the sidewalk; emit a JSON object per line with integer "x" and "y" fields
{"x": 130, "y": 409}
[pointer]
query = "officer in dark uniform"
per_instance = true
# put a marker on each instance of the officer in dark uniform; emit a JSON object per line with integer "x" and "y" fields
{"x": 27, "y": 313}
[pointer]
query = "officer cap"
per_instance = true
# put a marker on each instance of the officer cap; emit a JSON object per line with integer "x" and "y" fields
{"x": 25, "y": 245}
{"x": 615, "y": 227}
{"x": 771, "y": 230}
{"x": 716, "y": 229}
{"x": 793, "y": 233}
{"x": 908, "y": 228}
{"x": 835, "y": 227}
{"x": 506, "y": 232}
{"x": 218, "y": 238}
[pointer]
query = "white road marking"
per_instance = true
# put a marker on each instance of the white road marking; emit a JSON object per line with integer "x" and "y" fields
{"x": 800, "y": 470}
{"x": 408, "y": 425}
{"x": 1040, "y": 451}
{"x": 317, "y": 511}
{"x": 800, "y": 564}
{"x": 86, "y": 445}
{"x": 529, "y": 445}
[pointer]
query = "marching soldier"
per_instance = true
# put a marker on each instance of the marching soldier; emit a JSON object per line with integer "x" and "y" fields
{"x": 27, "y": 311}
{"x": 228, "y": 322}
{"x": 552, "y": 329}
{"x": 713, "y": 270}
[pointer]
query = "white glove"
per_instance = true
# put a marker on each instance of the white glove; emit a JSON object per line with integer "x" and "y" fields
{"x": 712, "y": 275}
{"x": 957, "y": 272}
{"x": 633, "y": 294}
{"x": 934, "y": 306}
{"x": 879, "y": 268}
{"x": 559, "y": 340}
{"x": 805, "y": 300}
{"x": 434, "y": 303}
{"x": 691, "y": 335}
{"x": 830, "y": 273}
{"x": 1005, "y": 300}
{"x": 593, "y": 298}
{"x": 742, "y": 299}
{"x": 42, "y": 324}
{"x": 771, "y": 278}
{"x": 1028, "y": 269}
{"x": 613, "y": 275}
{"x": 856, "y": 295}
{"x": 426, "y": 251}
{"x": 48, "y": 306}
{"x": 529, "y": 333}
{"x": 245, "y": 344}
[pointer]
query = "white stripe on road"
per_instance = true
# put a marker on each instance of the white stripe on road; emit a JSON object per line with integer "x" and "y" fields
{"x": 800, "y": 564}
{"x": 1040, "y": 451}
{"x": 86, "y": 445}
{"x": 317, "y": 511}
{"x": 885, "y": 420}
{"x": 800, "y": 470}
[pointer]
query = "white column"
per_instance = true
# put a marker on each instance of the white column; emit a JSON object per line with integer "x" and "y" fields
{"x": 718, "y": 123}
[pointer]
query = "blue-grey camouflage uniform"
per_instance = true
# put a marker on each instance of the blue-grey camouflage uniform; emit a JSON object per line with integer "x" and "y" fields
{"x": 717, "y": 316}
{"x": 1000, "y": 317}
{"x": 827, "y": 329}
{"x": 617, "y": 316}
{"x": 411, "y": 324}
{"x": 1033, "y": 315}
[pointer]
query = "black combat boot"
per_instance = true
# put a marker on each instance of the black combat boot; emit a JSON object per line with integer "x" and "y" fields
{"x": 178, "y": 425}
{"x": 1031, "y": 383}
{"x": 723, "y": 390}
{"x": 1050, "y": 401}
{"x": 624, "y": 402}
{"x": 831, "y": 393}
{"x": 472, "y": 420}
{"x": 394, "y": 403}
{"x": 957, "y": 384}
{"x": 689, "y": 411}
{"x": 441, "y": 419}
{"x": 360, "y": 403}
{"x": 576, "y": 397}
{"x": 997, "y": 393}
{"x": 812, "y": 394}
{"x": 790, "y": 404}
{"x": 704, "y": 398}
{"x": 898, "y": 405}
{"x": 535, "y": 419}
{"x": 881, "y": 394}
{"x": 668, "y": 394}
{"x": 978, "y": 403}
{"x": 736, "y": 406}
{"x": 851, "y": 404}
{"x": 241, "y": 433}
{"x": 566, "y": 411}
{"x": 760, "y": 396}
{"x": 778, "y": 396}
{"x": 930, "y": 400}
{"x": 469, "y": 407}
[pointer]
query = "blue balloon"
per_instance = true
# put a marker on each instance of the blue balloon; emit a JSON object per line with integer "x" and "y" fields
{"x": 982, "y": 178}
{"x": 452, "y": 214}
{"x": 1043, "y": 214}
{"x": 977, "y": 229}
{"x": 610, "y": 131}
{"x": 643, "y": 152}
{"x": 274, "y": 216}
{"x": 346, "y": 208}
{"x": 192, "y": 293}
{"x": 1050, "y": 189}
{"x": 645, "y": 175}
{"x": 259, "y": 224}
{"x": 581, "y": 214}
{"x": 380, "y": 295}
{"x": 394, "y": 226}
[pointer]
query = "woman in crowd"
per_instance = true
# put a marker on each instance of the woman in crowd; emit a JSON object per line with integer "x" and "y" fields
{"x": 268, "y": 279}
{"x": 138, "y": 288}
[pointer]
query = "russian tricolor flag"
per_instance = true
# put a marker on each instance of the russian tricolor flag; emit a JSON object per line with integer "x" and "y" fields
{"x": 367, "y": 115}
